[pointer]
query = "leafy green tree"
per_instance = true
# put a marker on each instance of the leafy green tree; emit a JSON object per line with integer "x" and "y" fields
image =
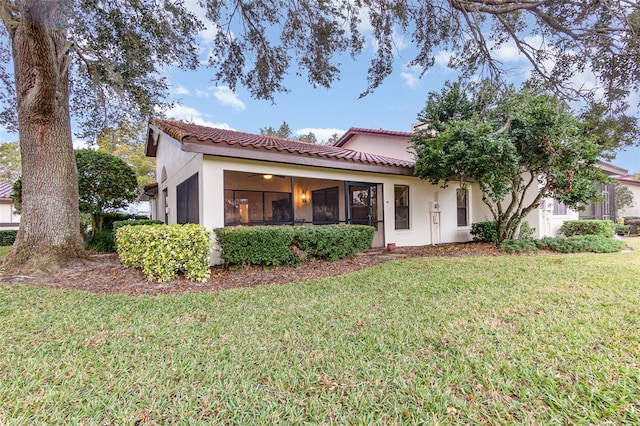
{"x": 10, "y": 164}
{"x": 623, "y": 196}
{"x": 105, "y": 183}
{"x": 512, "y": 144}
{"x": 284, "y": 131}
{"x": 114, "y": 53}
{"x": 124, "y": 141}
{"x": 308, "y": 138}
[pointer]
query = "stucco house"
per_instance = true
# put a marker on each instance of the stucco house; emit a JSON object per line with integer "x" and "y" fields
{"x": 8, "y": 217}
{"x": 217, "y": 177}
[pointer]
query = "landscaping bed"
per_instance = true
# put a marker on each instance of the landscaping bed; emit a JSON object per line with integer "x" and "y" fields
{"x": 103, "y": 273}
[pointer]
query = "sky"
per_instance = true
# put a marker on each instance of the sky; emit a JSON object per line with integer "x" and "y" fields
{"x": 392, "y": 106}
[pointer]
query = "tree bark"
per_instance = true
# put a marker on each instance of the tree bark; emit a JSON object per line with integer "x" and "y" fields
{"x": 49, "y": 232}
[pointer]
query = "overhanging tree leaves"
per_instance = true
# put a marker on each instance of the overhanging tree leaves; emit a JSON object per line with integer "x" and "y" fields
{"x": 103, "y": 59}
{"x": 519, "y": 148}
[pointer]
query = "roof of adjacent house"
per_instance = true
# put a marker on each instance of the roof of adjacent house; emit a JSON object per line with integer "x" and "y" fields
{"x": 231, "y": 143}
{"x": 5, "y": 191}
{"x": 379, "y": 132}
{"x": 629, "y": 180}
{"x": 611, "y": 169}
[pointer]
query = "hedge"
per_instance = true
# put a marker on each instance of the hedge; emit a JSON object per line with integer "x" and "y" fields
{"x": 162, "y": 251}
{"x": 581, "y": 243}
{"x": 8, "y": 237}
{"x": 287, "y": 245}
{"x": 604, "y": 228}
{"x": 135, "y": 222}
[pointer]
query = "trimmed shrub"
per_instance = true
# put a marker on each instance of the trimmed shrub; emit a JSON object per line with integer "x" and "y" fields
{"x": 485, "y": 232}
{"x": 633, "y": 224}
{"x": 110, "y": 218}
{"x": 581, "y": 243}
{"x": 333, "y": 242}
{"x": 135, "y": 222}
{"x": 162, "y": 251}
{"x": 587, "y": 227}
{"x": 257, "y": 245}
{"x": 526, "y": 231}
{"x": 8, "y": 237}
{"x": 520, "y": 245}
{"x": 622, "y": 229}
{"x": 286, "y": 245}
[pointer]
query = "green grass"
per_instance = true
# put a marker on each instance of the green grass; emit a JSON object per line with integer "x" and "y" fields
{"x": 4, "y": 250}
{"x": 549, "y": 339}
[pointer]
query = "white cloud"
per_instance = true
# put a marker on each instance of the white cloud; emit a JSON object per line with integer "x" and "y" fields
{"x": 411, "y": 76}
{"x": 322, "y": 134}
{"x": 227, "y": 97}
{"x": 180, "y": 90}
{"x": 192, "y": 115}
{"x": 443, "y": 57}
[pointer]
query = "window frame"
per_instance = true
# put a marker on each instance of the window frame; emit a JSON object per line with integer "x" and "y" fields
{"x": 465, "y": 207}
{"x": 405, "y": 208}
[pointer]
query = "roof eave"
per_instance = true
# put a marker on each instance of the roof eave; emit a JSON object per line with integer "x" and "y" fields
{"x": 262, "y": 154}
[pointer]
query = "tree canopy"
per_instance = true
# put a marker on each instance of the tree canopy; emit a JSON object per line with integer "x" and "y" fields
{"x": 518, "y": 146}
{"x": 105, "y": 183}
{"x": 124, "y": 142}
{"x": 10, "y": 164}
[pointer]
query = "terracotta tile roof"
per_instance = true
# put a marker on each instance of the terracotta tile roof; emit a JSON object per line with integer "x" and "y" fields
{"x": 360, "y": 131}
{"x": 5, "y": 190}
{"x": 185, "y": 132}
{"x": 629, "y": 179}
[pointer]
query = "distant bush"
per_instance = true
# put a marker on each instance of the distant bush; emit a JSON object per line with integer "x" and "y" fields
{"x": 485, "y": 232}
{"x": 570, "y": 228}
{"x": 8, "y": 237}
{"x": 622, "y": 229}
{"x": 111, "y": 218}
{"x": 162, "y": 251}
{"x": 103, "y": 242}
{"x": 633, "y": 224}
{"x": 581, "y": 243}
{"x": 287, "y": 245}
{"x": 520, "y": 245}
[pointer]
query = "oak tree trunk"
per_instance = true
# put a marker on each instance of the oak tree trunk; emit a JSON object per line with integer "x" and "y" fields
{"x": 49, "y": 232}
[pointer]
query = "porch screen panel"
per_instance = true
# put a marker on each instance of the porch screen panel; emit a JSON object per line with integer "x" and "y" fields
{"x": 257, "y": 208}
{"x": 325, "y": 205}
{"x": 187, "y": 201}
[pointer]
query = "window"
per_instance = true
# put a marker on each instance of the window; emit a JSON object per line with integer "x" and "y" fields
{"x": 401, "y": 201}
{"x": 559, "y": 209}
{"x": 462, "y": 200}
{"x": 188, "y": 204}
{"x": 257, "y": 207}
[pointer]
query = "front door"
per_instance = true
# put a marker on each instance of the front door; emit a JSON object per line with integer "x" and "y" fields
{"x": 363, "y": 208}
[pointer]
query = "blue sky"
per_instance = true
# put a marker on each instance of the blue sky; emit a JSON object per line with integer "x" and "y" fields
{"x": 393, "y": 106}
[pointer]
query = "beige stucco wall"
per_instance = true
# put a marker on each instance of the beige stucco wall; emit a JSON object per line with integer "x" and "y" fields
{"x": 423, "y": 196}
{"x": 388, "y": 146}
{"x": 179, "y": 166}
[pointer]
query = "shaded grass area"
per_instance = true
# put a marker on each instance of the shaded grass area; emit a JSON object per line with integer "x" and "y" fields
{"x": 531, "y": 339}
{"x": 4, "y": 250}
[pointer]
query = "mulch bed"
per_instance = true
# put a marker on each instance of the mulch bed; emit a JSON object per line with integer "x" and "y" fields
{"x": 104, "y": 274}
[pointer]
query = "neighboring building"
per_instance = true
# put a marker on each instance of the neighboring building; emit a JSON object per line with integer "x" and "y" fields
{"x": 8, "y": 217}
{"x": 633, "y": 185}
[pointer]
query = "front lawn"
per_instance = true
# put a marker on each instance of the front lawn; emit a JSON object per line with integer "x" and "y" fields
{"x": 500, "y": 340}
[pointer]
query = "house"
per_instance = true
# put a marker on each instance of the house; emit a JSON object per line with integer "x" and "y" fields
{"x": 633, "y": 185}
{"x": 8, "y": 217}
{"x": 217, "y": 177}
